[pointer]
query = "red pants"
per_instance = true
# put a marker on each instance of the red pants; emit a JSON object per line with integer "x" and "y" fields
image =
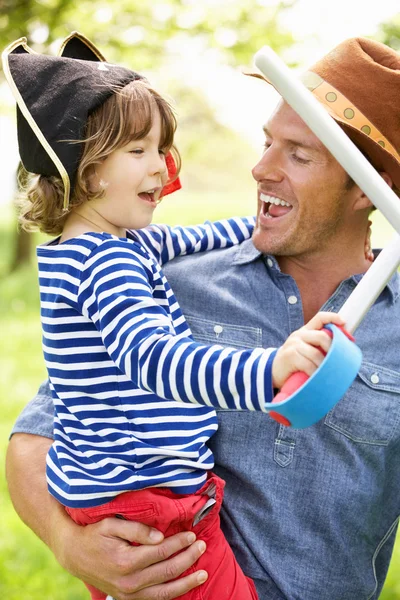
{"x": 171, "y": 513}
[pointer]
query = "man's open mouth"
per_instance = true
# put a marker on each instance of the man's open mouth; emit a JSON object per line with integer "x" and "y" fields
{"x": 273, "y": 207}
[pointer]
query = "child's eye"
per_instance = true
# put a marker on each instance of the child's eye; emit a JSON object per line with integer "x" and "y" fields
{"x": 137, "y": 151}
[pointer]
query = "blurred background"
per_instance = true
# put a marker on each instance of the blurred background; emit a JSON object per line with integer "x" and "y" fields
{"x": 192, "y": 51}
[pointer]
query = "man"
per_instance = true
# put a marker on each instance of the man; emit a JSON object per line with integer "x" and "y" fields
{"x": 311, "y": 514}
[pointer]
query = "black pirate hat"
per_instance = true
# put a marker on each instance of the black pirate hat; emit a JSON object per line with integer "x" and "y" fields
{"x": 55, "y": 95}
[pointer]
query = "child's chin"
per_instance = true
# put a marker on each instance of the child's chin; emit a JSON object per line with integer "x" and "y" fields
{"x": 141, "y": 223}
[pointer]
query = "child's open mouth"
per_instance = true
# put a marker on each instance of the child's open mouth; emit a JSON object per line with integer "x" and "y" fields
{"x": 149, "y": 196}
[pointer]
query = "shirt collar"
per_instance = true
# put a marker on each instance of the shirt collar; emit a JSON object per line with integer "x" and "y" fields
{"x": 247, "y": 253}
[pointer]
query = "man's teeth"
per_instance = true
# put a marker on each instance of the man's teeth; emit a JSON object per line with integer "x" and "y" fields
{"x": 274, "y": 200}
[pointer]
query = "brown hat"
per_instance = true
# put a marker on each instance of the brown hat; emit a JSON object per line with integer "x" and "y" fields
{"x": 359, "y": 84}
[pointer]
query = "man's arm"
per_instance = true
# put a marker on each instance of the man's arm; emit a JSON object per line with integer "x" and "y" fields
{"x": 99, "y": 554}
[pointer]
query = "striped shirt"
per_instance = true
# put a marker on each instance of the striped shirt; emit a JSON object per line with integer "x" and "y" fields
{"x": 133, "y": 393}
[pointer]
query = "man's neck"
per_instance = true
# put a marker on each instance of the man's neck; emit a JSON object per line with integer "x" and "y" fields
{"x": 318, "y": 277}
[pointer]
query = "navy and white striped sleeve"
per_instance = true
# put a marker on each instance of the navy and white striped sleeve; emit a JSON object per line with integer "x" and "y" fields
{"x": 116, "y": 294}
{"x": 165, "y": 243}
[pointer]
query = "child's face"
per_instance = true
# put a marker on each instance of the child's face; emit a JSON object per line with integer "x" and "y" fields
{"x": 133, "y": 177}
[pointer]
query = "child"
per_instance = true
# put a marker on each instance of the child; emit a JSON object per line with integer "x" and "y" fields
{"x": 133, "y": 393}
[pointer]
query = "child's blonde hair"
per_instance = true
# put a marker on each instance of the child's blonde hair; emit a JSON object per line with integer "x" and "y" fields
{"x": 127, "y": 115}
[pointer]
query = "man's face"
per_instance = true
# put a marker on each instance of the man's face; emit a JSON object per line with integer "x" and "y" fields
{"x": 303, "y": 192}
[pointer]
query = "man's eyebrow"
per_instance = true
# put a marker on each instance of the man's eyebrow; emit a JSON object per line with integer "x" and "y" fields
{"x": 300, "y": 144}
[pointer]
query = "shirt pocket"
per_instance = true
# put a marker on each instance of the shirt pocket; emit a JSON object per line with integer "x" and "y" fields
{"x": 218, "y": 332}
{"x": 370, "y": 411}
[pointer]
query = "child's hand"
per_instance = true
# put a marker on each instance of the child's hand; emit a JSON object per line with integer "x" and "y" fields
{"x": 300, "y": 351}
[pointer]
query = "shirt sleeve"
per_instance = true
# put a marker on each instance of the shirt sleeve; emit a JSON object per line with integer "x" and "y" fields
{"x": 166, "y": 243}
{"x": 37, "y": 417}
{"x": 116, "y": 294}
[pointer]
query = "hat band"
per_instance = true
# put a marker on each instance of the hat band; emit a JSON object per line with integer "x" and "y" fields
{"x": 344, "y": 111}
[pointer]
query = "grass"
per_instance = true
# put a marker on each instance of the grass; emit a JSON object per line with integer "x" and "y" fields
{"x": 27, "y": 568}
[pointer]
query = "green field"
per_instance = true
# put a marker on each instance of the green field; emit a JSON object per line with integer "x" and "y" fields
{"x": 27, "y": 569}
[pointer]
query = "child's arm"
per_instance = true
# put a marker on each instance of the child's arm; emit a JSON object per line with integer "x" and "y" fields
{"x": 137, "y": 332}
{"x": 165, "y": 243}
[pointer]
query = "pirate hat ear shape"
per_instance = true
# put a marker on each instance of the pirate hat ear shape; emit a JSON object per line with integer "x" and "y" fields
{"x": 55, "y": 95}
{"x": 77, "y": 45}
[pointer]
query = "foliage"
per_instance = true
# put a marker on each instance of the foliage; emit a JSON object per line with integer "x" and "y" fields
{"x": 138, "y": 31}
{"x": 389, "y": 33}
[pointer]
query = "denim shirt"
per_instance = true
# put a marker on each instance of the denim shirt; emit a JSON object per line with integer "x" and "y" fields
{"x": 311, "y": 514}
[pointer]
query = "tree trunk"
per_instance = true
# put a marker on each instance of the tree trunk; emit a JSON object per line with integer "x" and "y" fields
{"x": 22, "y": 240}
{"x": 22, "y": 250}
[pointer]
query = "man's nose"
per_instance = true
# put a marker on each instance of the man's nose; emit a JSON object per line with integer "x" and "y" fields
{"x": 268, "y": 167}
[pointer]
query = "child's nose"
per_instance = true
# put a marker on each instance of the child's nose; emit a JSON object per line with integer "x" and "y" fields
{"x": 158, "y": 165}
{"x": 159, "y": 168}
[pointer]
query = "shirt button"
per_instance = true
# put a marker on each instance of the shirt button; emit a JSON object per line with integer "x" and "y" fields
{"x": 375, "y": 378}
{"x": 292, "y": 300}
{"x": 269, "y": 262}
{"x": 218, "y": 329}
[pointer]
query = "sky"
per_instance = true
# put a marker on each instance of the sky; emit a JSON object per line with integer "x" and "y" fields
{"x": 242, "y": 102}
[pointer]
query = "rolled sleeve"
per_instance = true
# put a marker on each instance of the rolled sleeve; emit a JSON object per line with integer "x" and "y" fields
{"x": 37, "y": 417}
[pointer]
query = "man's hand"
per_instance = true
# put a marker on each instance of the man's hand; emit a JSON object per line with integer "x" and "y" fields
{"x": 99, "y": 554}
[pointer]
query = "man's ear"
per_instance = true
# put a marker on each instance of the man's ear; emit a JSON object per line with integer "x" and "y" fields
{"x": 362, "y": 201}
{"x": 386, "y": 177}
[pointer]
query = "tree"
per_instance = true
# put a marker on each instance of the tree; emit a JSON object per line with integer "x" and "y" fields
{"x": 389, "y": 33}
{"x": 237, "y": 28}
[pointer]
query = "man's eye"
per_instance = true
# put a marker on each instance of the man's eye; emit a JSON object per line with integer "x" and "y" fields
{"x": 299, "y": 159}
{"x": 266, "y": 145}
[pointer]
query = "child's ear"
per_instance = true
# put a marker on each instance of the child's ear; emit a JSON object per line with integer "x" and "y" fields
{"x": 362, "y": 201}
{"x": 92, "y": 180}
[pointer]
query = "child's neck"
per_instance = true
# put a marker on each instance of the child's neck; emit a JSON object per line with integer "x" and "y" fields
{"x": 78, "y": 223}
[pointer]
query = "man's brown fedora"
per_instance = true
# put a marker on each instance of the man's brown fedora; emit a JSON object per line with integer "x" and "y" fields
{"x": 359, "y": 84}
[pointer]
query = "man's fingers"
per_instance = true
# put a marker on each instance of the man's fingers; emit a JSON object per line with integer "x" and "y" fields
{"x": 175, "y": 589}
{"x": 131, "y": 531}
{"x": 163, "y": 570}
